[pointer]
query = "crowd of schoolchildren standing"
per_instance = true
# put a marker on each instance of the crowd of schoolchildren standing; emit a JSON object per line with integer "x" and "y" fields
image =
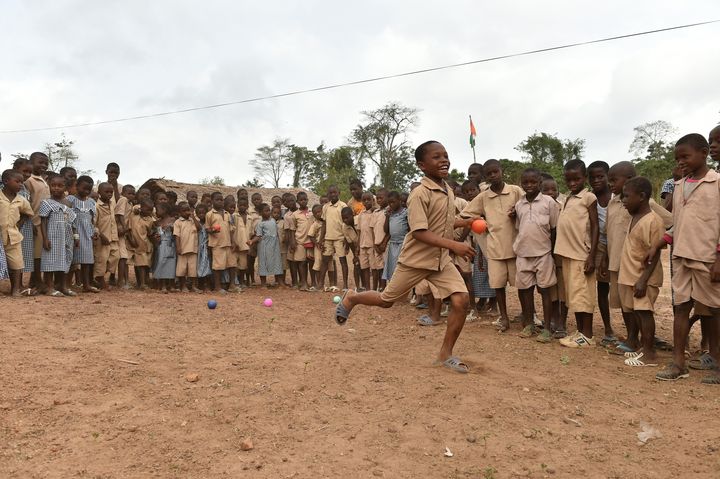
{"x": 591, "y": 248}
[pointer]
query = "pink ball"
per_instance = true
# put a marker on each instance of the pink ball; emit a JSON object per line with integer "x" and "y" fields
{"x": 267, "y": 302}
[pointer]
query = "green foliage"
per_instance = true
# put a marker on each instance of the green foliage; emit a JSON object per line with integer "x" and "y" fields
{"x": 336, "y": 166}
{"x": 512, "y": 171}
{"x": 254, "y": 183}
{"x": 271, "y": 161}
{"x": 458, "y": 176}
{"x": 300, "y": 160}
{"x": 382, "y": 139}
{"x": 654, "y": 148}
{"x": 215, "y": 181}
{"x": 542, "y": 149}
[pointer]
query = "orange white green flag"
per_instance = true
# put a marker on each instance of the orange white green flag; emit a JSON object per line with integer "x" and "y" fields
{"x": 473, "y": 134}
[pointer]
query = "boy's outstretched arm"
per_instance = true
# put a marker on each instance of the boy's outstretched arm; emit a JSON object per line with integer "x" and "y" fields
{"x": 459, "y": 249}
{"x": 594, "y": 238}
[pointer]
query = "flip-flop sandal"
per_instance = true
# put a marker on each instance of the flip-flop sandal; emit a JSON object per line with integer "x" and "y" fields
{"x": 28, "y": 292}
{"x": 662, "y": 345}
{"x": 608, "y": 341}
{"x": 634, "y": 354}
{"x": 638, "y": 362}
{"x": 70, "y": 293}
{"x": 335, "y": 289}
{"x": 341, "y": 312}
{"x": 454, "y": 363}
{"x": 559, "y": 334}
{"x": 56, "y": 294}
{"x": 620, "y": 349}
{"x": 426, "y": 320}
{"x": 713, "y": 379}
{"x": 421, "y": 306}
{"x": 704, "y": 362}
{"x": 672, "y": 373}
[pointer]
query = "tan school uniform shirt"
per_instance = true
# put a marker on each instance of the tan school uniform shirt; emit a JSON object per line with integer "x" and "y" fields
{"x": 365, "y": 222}
{"x": 187, "y": 235}
{"x": 242, "y": 231}
{"x": 573, "y": 228}
{"x": 39, "y": 191}
{"x": 431, "y": 207}
{"x": 333, "y": 220}
{"x": 10, "y": 213}
{"x": 139, "y": 226}
{"x": 535, "y": 219}
{"x": 300, "y": 223}
{"x": 646, "y": 232}
{"x": 105, "y": 220}
{"x": 616, "y": 226}
{"x": 123, "y": 208}
{"x": 222, "y": 238}
{"x": 494, "y": 207}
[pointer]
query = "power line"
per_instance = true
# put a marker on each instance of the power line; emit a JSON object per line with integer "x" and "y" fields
{"x": 360, "y": 82}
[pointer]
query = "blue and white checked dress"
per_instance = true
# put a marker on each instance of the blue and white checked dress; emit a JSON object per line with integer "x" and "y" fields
{"x": 3, "y": 263}
{"x": 480, "y": 279}
{"x": 166, "y": 258}
{"x": 86, "y": 213}
{"x": 60, "y": 219}
{"x": 269, "y": 258}
{"x": 203, "y": 261}
{"x": 28, "y": 249}
{"x": 399, "y": 227}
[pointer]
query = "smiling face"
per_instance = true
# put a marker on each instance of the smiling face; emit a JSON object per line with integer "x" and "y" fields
{"x": 435, "y": 162}
{"x": 57, "y": 187}
{"x": 39, "y": 164}
{"x": 690, "y": 159}
{"x": 598, "y": 179}
{"x": 575, "y": 180}
{"x": 113, "y": 173}
{"x": 550, "y": 188}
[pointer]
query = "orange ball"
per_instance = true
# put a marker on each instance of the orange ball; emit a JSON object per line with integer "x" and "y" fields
{"x": 479, "y": 226}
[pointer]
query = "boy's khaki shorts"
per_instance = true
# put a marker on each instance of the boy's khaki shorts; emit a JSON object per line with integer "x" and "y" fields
{"x": 501, "y": 272}
{"x": 691, "y": 280}
{"x": 614, "y": 296}
{"x": 242, "y": 260}
{"x": 222, "y": 258}
{"x": 557, "y": 292}
{"x": 299, "y": 255}
{"x": 366, "y": 257}
{"x": 631, "y": 303}
{"x": 581, "y": 288}
{"x": 106, "y": 258}
{"x": 424, "y": 288}
{"x": 318, "y": 260}
{"x": 377, "y": 261}
{"x": 447, "y": 281}
{"x": 186, "y": 265}
{"x": 13, "y": 253}
{"x": 122, "y": 248}
{"x": 335, "y": 248}
{"x": 536, "y": 271}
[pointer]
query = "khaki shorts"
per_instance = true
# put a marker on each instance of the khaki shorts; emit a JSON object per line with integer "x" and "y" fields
{"x": 186, "y": 265}
{"x": 106, "y": 258}
{"x": 242, "y": 260}
{"x": 14, "y": 256}
{"x": 299, "y": 255}
{"x": 335, "y": 248}
{"x": 464, "y": 265}
{"x": 424, "y": 288}
{"x": 141, "y": 259}
{"x": 599, "y": 254}
{"x": 122, "y": 248}
{"x": 501, "y": 272}
{"x": 691, "y": 280}
{"x": 581, "y": 288}
{"x": 537, "y": 271}
{"x": 378, "y": 260}
{"x": 557, "y": 292}
{"x": 222, "y": 258}
{"x": 366, "y": 257}
{"x": 447, "y": 281}
{"x": 318, "y": 260}
{"x": 631, "y": 303}
{"x": 614, "y": 297}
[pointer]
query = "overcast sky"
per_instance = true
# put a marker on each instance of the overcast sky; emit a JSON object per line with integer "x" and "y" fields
{"x": 64, "y": 61}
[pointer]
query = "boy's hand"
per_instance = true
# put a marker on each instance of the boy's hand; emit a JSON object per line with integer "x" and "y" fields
{"x": 121, "y": 231}
{"x": 95, "y": 236}
{"x": 603, "y": 267}
{"x": 640, "y": 289}
{"x": 512, "y": 214}
{"x": 589, "y": 264}
{"x": 463, "y": 250}
{"x": 650, "y": 255}
{"x": 249, "y": 242}
{"x": 46, "y": 244}
{"x": 715, "y": 270}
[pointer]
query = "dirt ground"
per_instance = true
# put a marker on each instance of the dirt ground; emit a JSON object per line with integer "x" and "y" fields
{"x": 101, "y": 386}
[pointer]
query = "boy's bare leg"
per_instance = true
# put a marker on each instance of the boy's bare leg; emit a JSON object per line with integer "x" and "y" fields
{"x": 455, "y": 322}
{"x": 584, "y": 324}
{"x": 365, "y": 278}
{"x": 502, "y": 304}
{"x": 345, "y": 271}
{"x": 633, "y": 331}
{"x": 603, "y": 292}
{"x": 324, "y": 263}
{"x": 15, "y": 282}
{"x": 681, "y": 328}
{"x": 232, "y": 287}
{"x": 527, "y": 305}
{"x": 647, "y": 326}
{"x": 547, "y": 306}
{"x": 434, "y": 307}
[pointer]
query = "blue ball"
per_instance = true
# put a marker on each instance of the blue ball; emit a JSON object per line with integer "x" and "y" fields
{"x": 212, "y": 304}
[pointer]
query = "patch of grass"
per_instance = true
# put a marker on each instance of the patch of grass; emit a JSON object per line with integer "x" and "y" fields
{"x": 489, "y": 472}
{"x": 565, "y": 360}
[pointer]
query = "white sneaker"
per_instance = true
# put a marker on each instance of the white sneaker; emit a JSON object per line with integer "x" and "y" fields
{"x": 537, "y": 321}
{"x": 445, "y": 311}
{"x": 470, "y": 317}
{"x": 581, "y": 341}
{"x": 570, "y": 338}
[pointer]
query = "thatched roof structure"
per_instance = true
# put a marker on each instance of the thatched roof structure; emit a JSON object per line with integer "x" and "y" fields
{"x": 164, "y": 185}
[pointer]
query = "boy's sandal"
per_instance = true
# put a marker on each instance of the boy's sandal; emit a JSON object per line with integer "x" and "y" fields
{"x": 634, "y": 354}
{"x": 426, "y": 320}
{"x": 28, "y": 292}
{"x": 69, "y": 292}
{"x": 704, "y": 362}
{"x": 713, "y": 378}
{"x": 55, "y": 293}
{"x": 637, "y": 362}
{"x": 341, "y": 312}
{"x": 662, "y": 345}
{"x": 454, "y": 363}
{"x": 608, "y": 341}
{"x": 559, "y": 334}
{"x": 672, "y": 372}
{"x": 312, "y": 289}
{"x": 93, "y": 289}
{"x": 621, "y": 348}
{"x": 421, "y": 306}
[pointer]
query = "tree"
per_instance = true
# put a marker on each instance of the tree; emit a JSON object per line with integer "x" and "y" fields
{"x": 61, "y": 154}
{"x": 651, "y": 139}
{"x": 271, "y": 161}
{"x": 382, "y": 139}
{"x": 300, "y": 159}
{"x": 336, "y": 166}
{"x": 542, "y": 148}
{"x": 214, "y": 181}
{"x": 254, "y": 183}
{"x": 457, "y": 176}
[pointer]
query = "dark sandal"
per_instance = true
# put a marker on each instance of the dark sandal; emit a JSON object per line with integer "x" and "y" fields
{"x": 704, "y": 363}
{"x": 713, "y": 378}
{"x": 341, "y": 312}
{"x": 672, "y": 372}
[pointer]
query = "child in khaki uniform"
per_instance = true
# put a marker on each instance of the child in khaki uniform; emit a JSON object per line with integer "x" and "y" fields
{"x": 696, "y": 252}
{"x": 300, "y": 222}
{"x": 185, "y": 231}
{"x": 314, "y": 237}
{"x": 366, "y": 253}
{"x": 576, "y": 243}
{"x": 123, "y": 209}
{"x": 557, "y": 293}
{"x": 39, "y": 191}
{"x": 495, "y": 205}
{"x": 617, "y": 223}
{"x": 220, "y": 242}
{"x": 380, "y": 238}
{"x": 640, "y": 282}
{"x": 241, "y": 236}
{"x": 106, "y": 246}
{"x": 431, "y": 216}
{"x": 332, "y": 235}
{"x": 14, "y": 209}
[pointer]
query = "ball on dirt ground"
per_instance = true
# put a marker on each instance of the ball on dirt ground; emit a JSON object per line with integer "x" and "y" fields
{"x": 479, "y": 226}
{"x": 337, "y": 299}
{"x": 268, "y": 302}
{"x": 212, "y": 304}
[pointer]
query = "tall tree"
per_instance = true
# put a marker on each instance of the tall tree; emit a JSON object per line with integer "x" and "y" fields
{"x": 214, "y": 181}
{"x": 382, "y": 139}
{"x": 271, "y": 161}
{"x": 652, "y": 139}
{"x": 335, "y": 166}
{"x": 540, "y": 148}
{"x": 300, "y": 159}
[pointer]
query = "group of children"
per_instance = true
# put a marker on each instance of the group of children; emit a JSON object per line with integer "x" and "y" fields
{"x": 594, "y": 247}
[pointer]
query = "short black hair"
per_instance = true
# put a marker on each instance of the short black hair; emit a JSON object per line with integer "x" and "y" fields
{"x": 695, "y": 140}
{"x": 393, "y": 194}
{"x": 53, "y": 176}
{"x": 256, "y": 194}
{"x": 201, "y": 206}
{"x": 85, "y": 179}
{"x": 7, "y": 174}
{"x": 475, "y": 165}
{"x": 599, "y": 164}
{"x": 112, "y": 165}
{"x": 356, "y": 182}
{"x": 468, "y": 183}
{"x": 183, "y": 204}
{"x": 215, "y": 194}
{"x": 546, "y": 176}
{"x": 171, "y": 194}
{"x": 420, "y": 150}
{"x": 640, "y": 184}
{"x": 346, "y": 211}
{"x": 301, "y": 193}
{"x": 316, "y": 206}
{"x": 575, "y": 165}
{"x": 65, "y": 169}
{"x": 20, "y": 162}
{"x": 531, "y": 171}
{"x": 38, "y": 154}
{"x": 624, "y": 168}
{"x": 127, "y": 188}
{"x": 492, "y": 161}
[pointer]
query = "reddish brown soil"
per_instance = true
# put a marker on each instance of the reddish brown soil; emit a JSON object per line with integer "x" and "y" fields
{"x": 319, "y": 400}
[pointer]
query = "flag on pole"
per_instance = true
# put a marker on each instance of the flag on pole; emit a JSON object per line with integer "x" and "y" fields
{"x": 473, "y": 134}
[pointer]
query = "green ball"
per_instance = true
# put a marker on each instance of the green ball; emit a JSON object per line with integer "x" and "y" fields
{"x": 337, "y": 299}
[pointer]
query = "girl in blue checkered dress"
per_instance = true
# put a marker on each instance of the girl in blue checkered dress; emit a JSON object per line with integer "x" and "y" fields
{"x": 58, "y": 222}
{"x": 3, "y": 263}
{"x": 203, "y": 259}
{"x": 84, "y": 208}
{"x": 23, "y": 166}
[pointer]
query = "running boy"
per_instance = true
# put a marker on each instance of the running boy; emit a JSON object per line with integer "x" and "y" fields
{"x": 577, "y": 239}
{"x": 431, "y": 215}
{"x": 696, "y": 251}
{"x": 496, "y": 205}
